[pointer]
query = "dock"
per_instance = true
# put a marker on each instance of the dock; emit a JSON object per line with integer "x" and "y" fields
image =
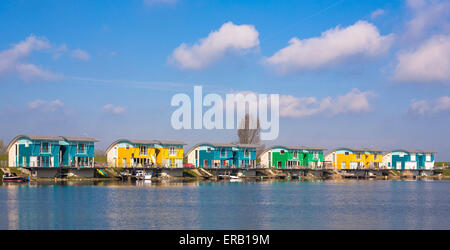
{"x": 226, "y": 172}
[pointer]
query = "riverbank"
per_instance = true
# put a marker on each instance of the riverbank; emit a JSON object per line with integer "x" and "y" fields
{"x": 199, "y": 174}
{"x": 268, "y": 204}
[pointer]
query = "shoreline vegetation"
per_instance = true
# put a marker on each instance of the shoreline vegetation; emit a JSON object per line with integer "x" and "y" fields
{"x": 196, "y": 174}
{"x": 264, "y": 175}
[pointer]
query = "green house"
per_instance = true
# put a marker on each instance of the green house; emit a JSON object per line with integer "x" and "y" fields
{"x": 282, "y": 157}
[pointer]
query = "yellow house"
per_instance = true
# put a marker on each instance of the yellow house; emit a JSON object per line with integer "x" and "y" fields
{"x": 145, "y": 153}
{"x": 355, "y": 158}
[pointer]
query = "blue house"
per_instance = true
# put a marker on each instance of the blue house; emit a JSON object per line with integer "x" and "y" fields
{"x": 222, "y": 155}
{"x": 51, "y": 151}
{"x": 401, "y": 159}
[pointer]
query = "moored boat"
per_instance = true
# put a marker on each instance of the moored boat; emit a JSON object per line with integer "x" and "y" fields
{"x": 231, "y": 177}
{"x": 13, "y": 177}
{"x": 143, "y": 175}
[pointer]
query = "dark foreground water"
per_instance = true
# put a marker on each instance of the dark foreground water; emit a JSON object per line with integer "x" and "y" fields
{"x": 224, "y": 205}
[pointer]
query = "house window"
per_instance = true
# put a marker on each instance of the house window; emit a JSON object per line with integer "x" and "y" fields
{"x": 43, "y": 161}
{"x": 246, "y": 153}
{"x": 127, "y": 147}
{"x": 45, "y": 147}
{"x": 358, "y": 156}
{"x": 346, "y": 153}
{"x": 172, "y": 151}
{"x": 281, "y": 152}
{"x": 295, "y": 154}
{"x": 81, "y": 148}
{"x": 208, "y": 150}
{"x": 223, "y": 152}
{"x": 143, "y": 150}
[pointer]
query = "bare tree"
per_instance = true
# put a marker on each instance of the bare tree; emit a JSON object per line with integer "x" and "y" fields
{"x": 2, "y": 147}
{"x": 249, "y": 132}
{"x": 99, "y": 153}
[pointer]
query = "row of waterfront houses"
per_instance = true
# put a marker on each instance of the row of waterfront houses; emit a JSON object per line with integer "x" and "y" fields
{"x": 64, "y": 151}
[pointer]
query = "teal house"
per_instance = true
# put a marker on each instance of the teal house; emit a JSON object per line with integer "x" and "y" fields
{"x": 51, "y": 151}
{"x": 402, "y": 159}
{"x": 222, "y": 155}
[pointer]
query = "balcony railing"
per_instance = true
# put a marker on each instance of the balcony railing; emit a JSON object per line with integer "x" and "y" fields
{"x": 151, "y": 166}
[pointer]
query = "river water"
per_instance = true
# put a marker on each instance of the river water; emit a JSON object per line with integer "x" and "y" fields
{"x": 226, "y": 205}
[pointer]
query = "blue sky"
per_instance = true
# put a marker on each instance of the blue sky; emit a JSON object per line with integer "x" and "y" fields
{"x": 350, "y": 73}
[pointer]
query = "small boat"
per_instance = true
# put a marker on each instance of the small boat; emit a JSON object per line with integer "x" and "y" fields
{"x": 347, "y": 175}
{"x": 143, "y": 175}
{"x": 231, "y": 177}
{"x": 13, "y": 177}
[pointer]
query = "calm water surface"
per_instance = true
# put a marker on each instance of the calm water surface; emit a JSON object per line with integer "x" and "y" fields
{"x": 225, "y": 205}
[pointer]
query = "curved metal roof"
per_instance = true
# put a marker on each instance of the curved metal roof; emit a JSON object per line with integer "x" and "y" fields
{"x": 133, "y": 141}
{"x": 293, "y": 148}
{"x": 413, "y": 151}
{"x": 51, "y": 138}
{"x": 222, "y": 145}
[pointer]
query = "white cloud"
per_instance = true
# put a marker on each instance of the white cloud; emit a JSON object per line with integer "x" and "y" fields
{"x": 353, "y": 102}
{"x": 416, "y": 4}
{"x": 110, "y": 108}
{"x": 377, "y": 13}
{"x": 46, "y": 106}
{"x": 206, "y": 51}
{"x": 76, "y": 53}
{"x": 58, "y": 52}
{"x": 29, "y": 72}
{"x": 333, "y": 46}
{"x": 428, "y": 16}
{"x": 80, "y": 54}
{"x": 11, "y": 60}
{"x": 429, "y": 63}
{"x": 419, "y": 107}
{"x": 442, "y": 104}
{"x": 427, "y": 107}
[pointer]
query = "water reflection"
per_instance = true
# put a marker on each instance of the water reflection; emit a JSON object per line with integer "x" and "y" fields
{"x": 12, "y": 208}
{"x": 226, "y": 205}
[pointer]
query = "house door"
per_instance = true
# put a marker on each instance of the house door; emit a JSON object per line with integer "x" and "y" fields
{"x": 205, "y": 164}
{"x": 61, "y": 155}
{"x": 420, "y": 161}
{"x": 279, "y": 164}
{"x": 124, "y": 162}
